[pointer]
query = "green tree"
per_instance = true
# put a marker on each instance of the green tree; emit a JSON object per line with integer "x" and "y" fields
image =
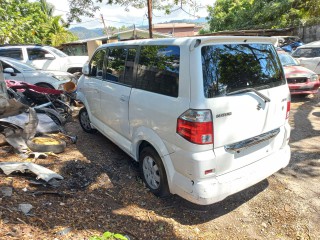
{"x": 261, "y": 14}
{"x": 57, "y": 33}
{"x": 21, "y": 22}
{"x": 55, "y": 27}
{"x": 80, "y": 8}
{"x": 87, "y": 8}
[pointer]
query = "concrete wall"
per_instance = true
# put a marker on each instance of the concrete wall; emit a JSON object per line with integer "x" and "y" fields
{"x": 92, "y": 46}
{"x": 308, "y": 33}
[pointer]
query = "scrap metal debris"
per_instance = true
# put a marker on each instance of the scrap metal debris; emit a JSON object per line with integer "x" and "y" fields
{"x": 25, "y": 208}
{"x": 10, "y": 107}
{"x": 30, "y": 128}
{"x": 45, "y": 125}
{"x": 6, "y": 191}
{"x": 15, "y": 139}
{"x": 41, "y": 172}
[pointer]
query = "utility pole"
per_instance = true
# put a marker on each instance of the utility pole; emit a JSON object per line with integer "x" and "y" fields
{"x": 105, "y": 27}
{"x": 150, "y": 17}
{"x": 134, "y": 32}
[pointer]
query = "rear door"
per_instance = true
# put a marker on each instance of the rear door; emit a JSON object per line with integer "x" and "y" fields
{"x": 245, "y": 88}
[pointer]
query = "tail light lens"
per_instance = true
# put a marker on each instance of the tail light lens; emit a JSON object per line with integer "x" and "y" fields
{"x": 196, "y": 126}
{"x": 288, "y": 109}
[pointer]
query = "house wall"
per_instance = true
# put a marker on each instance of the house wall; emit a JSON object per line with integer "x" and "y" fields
{"x": 92, "y": 46}
{"x": 308, "y": 33}
{"x": 176, "y": 32}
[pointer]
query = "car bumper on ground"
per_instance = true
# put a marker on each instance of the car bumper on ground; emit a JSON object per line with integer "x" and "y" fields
{"x": 211, "y": 190}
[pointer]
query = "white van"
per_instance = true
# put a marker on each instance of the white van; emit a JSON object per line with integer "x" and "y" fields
{"x": 206, "y": 117}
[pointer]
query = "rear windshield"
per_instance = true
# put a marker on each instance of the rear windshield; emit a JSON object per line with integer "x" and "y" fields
{"x": 307, "y": 52}
{"x": 231, "y": 67}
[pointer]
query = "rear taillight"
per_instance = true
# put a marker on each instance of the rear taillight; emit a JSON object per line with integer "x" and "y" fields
{"x": 288, "y": 109}
{"x": 196, "y": 126}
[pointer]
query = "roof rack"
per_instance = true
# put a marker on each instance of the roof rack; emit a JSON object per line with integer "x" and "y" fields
{"x": 22, "y": 44}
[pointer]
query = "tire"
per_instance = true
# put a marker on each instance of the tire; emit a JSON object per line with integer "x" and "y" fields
{"x": 47, "y": 144}
{"x": 85, "y": 121}
{"x": 53, "y": 114}
{"x": 153, "y": 172}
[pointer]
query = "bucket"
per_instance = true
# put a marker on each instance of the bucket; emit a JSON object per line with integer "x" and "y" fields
{"x": 69, "y": 87}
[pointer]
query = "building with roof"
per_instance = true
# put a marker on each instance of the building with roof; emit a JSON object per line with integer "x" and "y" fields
{"x": 177, "y": 29}
{"x": 87, "y": 46}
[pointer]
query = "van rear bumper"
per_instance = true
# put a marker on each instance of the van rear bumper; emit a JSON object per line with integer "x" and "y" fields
{"x": 208, "y": 191}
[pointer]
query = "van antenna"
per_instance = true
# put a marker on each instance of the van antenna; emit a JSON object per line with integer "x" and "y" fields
{"x": 196, "y": 44}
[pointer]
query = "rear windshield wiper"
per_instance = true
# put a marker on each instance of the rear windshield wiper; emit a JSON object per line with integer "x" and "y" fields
{"x": 264, "y": 97}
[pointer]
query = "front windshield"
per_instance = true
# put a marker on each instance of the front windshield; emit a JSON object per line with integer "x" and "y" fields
{"x": 19, "y": 65}
{"x": 57, "y": 52}
{"x": 287, "y": 60}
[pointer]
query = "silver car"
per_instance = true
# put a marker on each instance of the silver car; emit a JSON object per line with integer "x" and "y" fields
{"x": 16, "y": 70}
{"x": 309, "y": 56}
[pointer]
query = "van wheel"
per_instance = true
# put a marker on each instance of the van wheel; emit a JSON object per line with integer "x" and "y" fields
{"x": 153, "y": 172}
{"x": 85, "y": 121}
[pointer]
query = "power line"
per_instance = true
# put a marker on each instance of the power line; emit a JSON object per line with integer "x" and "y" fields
{"x": 84, "y": 22}
{"x": 109, "y": 20}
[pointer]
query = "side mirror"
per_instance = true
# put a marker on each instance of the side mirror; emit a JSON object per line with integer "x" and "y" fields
{"x": 9, "y": 71}
{"x": 85, "y": 69}
{"x": 49, "y": 56}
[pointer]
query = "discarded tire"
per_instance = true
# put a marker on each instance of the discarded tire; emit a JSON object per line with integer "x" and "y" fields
{"x": 46, "y": 144}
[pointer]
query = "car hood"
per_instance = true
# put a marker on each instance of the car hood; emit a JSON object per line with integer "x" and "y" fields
{"x": 297, "y": 71}
{"x": 49, "y": 75}
{"x": 57, "y": 73}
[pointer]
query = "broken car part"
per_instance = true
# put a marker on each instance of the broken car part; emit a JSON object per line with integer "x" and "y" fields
{"x": 41, "y": 172}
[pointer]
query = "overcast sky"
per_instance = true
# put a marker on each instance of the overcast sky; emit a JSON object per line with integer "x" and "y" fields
{"x": 116, "y": 15}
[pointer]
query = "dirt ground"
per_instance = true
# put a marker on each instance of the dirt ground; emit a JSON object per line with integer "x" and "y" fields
{"x": 102, "y": 191}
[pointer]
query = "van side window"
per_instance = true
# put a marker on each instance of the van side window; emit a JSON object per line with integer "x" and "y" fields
{"x": 15, "y": 53}
{"x": 96, "y": 64}
{"x": 115, "y": 64}
{"x": 158, "y": 70}
{"x": 120, "y": 64}
{"x": 128, "y": 74}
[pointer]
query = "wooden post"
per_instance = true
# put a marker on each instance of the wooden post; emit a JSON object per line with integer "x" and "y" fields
{"x": 150, "y": 17}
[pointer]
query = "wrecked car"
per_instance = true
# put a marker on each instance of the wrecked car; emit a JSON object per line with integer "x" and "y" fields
{"x": 301, "y": 81}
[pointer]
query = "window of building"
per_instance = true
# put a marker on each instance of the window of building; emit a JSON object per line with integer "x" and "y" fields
{"x": 158, "y": 69}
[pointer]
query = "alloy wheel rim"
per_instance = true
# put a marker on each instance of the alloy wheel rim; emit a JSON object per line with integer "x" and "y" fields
{"x": 85, "y": 121}
{"x": 151, "y": 172}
